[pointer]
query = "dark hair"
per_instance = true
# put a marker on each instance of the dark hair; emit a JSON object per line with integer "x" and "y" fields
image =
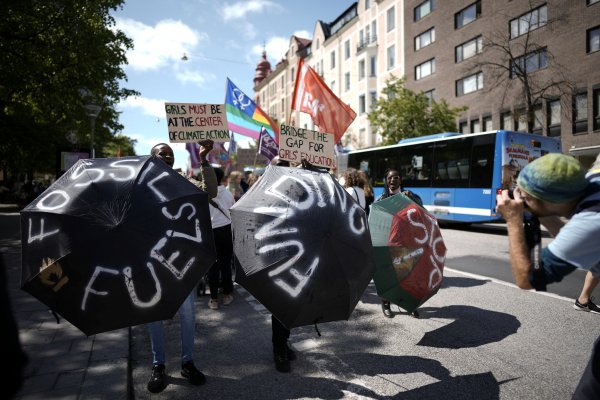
{"x": 220, "y": 174}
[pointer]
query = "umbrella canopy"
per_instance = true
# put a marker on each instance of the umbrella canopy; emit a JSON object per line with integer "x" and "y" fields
{"x": 302, "y": 245}
{"x": 116, "y": 242}
{"x": 409, "y": 251}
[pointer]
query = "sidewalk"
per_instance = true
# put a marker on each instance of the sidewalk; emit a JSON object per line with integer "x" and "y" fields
{"x": 475, "y": 339}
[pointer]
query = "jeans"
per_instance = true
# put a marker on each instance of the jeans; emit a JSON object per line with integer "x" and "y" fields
{"x": 221, "y": 270}
{"x": 187, "y": 318}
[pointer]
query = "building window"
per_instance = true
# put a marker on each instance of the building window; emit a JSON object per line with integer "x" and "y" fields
{"x": 347, "y": 49}
{"x": 463, "y": 127}
{"x": 596, "y": 105}
{"x": 580, "y": 113}
{"x": 430, "y": 94}
{"x": 425, "y": 39}
{"x": 554, "y": 118}
{"x": 593, "y": 39}
{"x": 391, "y": 57}
{"x": 373, "y": 99}
{"x": 367, "y": 4}
{"x": 333, "y": 59}
{"x": 391, "y": 18}
{"x": 467, "y": 15}
{"x": 529, "y": 21}
{"x": 373, "y": 31}
{"x": 292, "y": 75}
{"x": 373, "y": 66}
{"x": 423, "y": 9}
{"x": 425, "y": 69}
{"x": 487, "y": 123}
{"x": 528, "y": 63}
{"x": 347, "y": 81}
{"x": 506, "y": 121}
{"x": 520, "y": 120}
{"x": 361, "y": 70}
{"x": 469, "y": 84}
{"x": 475, "y": 126}
{"x": 362, "y": 105}
{"x": 283, "y": 106}
{"x": 332, "y": 86}
{"x": 590, "y": 2}
{"x": 468, "y": 49}
{"x": 537, "y": 119}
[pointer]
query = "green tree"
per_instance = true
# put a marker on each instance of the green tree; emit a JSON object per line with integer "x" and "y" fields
{"x": 51, "y": 54}
{"x": 402, "y": 113}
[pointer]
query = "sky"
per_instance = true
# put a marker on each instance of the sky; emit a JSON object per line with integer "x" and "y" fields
{"x": 221, "y": 39}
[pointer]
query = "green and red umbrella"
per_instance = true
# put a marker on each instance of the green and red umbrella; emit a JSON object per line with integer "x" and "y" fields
{"x": 409, "y": 251}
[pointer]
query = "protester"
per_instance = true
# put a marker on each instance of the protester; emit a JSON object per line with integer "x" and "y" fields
{"x": 220, "y": 272}
{"x": 352, "y": 183}
{"x": 234, "y": 184}
{"x": 392, "y": 186}
{"x": 187, "y": 314}
{"x": 551, "y": 187}
{"x": 365, "y": 182}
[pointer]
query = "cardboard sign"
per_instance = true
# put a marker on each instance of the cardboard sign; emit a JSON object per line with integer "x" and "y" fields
{"x": 297, "y": 144}
{"x": 188, "y": 122}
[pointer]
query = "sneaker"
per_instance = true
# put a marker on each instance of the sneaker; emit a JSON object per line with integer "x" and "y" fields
{"x": 387, "y": 311}
{"x": 589, "y": 306}
{"x": 282, "y": 361}
{"x": 189, "y": 371}
{"x": 227, "y": 299}
{"x": 291, "y": 354}
{"x": 213, "y": 304}
{"x": 157, "y": 384}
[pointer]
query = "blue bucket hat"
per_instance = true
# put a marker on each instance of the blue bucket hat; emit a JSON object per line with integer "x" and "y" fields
{"x": 554, "y": 177}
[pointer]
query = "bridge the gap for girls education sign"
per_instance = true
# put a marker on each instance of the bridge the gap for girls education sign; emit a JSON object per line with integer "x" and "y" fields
{"x": 297, "y": 144}
{"x": 189, "y": 122}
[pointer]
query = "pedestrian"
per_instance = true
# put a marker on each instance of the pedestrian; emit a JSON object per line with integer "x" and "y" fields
{"x": 352, "y": 182}
{"x": 282, "y": 352}
{"x": 553, "y": 187}
{"x": 393, "y": 185}
{"x": 365, "y": 181}
{"x": 234, "y": 184}
{"x": 187, "y": 314}
{"x": 220, "y": 272}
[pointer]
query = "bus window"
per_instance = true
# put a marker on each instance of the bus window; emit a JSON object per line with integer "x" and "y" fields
{"x": 415, "y": 165}
{"x": 451, "y": 159}
{"x": 482, "y": 161}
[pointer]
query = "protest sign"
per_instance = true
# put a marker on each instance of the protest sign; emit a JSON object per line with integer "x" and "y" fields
{"x": 188, "y": 122}
{"x": 297, "y": 144}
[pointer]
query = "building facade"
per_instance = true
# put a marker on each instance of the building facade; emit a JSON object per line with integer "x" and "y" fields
{"x": 528, "y": 65}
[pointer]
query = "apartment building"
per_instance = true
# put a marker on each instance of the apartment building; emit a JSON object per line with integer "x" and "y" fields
{"x": 480, "y": 54}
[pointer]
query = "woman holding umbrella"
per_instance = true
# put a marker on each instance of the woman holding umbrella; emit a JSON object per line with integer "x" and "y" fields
{"x": 392, "y": 186}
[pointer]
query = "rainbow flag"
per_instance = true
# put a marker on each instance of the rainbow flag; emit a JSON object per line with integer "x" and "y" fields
{"x": 245, "y": 117}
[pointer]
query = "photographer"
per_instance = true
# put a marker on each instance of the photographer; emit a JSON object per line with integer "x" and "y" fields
{"x": 551, "y": 187}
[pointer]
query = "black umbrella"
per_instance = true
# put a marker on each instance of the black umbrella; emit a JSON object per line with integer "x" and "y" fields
{"x": 116, "y": 242}
{"x": 302, "y": 245}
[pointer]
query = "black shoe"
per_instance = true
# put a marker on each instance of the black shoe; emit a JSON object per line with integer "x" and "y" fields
{"x": 387, "y": 311}
{"x": 189, "y": 371}
{"x": 589, "y": 306}
{"x": 282, "y": 361}
{"x": 157, "y": 384}
{"x": 291, "y": 354}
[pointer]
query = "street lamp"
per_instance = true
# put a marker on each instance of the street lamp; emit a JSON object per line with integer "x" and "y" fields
{"x": 92, "y": 111}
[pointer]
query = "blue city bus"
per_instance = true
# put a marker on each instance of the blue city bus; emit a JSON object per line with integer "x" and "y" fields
{"x": 456, "y": 175}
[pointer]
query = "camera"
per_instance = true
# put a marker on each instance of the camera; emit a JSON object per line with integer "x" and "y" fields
{"x": 511, "y": 193}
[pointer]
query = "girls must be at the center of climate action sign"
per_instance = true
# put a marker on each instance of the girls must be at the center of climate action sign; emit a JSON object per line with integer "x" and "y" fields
{"x": 190, "y": 122}
{"x": 297, "y": 144}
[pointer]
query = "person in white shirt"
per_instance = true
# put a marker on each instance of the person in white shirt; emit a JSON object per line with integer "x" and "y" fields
{"x": 352, "y": 182}
{"x": 220, "y": 272}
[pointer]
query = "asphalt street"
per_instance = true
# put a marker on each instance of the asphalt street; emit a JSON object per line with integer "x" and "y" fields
{"x": 477, "y": 338}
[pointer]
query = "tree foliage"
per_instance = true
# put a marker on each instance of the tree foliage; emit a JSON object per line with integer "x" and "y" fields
{"x": 52, "y": 53}
{"x": 402, "y": 113}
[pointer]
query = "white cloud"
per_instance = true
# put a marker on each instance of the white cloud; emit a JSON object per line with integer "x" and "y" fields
{"x": 195, "y": 77}
{"x": 152, "y": 107}
{"x": 157, "y": 46}
{"x": 241, "y": 9}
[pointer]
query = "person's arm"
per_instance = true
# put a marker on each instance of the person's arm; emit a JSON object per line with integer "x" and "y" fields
{"x": 520, "y": 258}
{"x": 208, "y": 178}
{"x": 552, "y": 224}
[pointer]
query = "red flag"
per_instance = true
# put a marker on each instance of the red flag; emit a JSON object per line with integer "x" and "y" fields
{"x": 313, "y": 96}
